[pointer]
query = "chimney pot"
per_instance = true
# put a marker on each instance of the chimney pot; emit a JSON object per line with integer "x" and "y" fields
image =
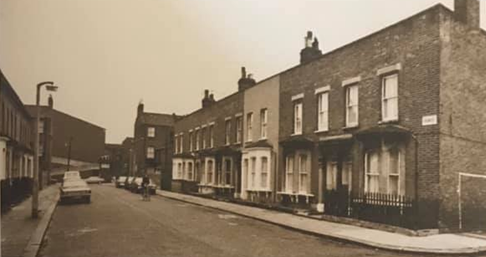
{"x": 311, "y": 50}
{"x": 140, "y": 108}
{"x": 243, "y": 72}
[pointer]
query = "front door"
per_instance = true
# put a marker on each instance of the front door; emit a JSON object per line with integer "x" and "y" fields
{"x": 338, "y": 188}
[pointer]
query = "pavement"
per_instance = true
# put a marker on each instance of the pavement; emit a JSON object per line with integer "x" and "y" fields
{"x": 22, "y": 235}
{"x": 436, "y": 244}
{"x": 118, "y": 223}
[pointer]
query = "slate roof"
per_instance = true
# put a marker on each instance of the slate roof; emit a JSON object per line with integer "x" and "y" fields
{"x": 157, "y": 119}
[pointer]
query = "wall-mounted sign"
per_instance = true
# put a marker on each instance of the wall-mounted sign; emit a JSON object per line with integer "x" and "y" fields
{"x": 429, "y": 120}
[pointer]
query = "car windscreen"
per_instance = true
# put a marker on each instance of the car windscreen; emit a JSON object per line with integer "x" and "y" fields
{"x": 74, "y": 184}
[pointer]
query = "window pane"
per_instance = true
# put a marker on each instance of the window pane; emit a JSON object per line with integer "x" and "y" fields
{"x": 352, "y": 115}
{"x": 391, "y": 86}
{"x": 298, "y": 118}
{"x": 352, "y": 95}
{"x": 289, "y": 173}
{"x": 331, "y": 176}
{"x": 373, "y": 183}
{"x": 238, "y": 129}
{"x": 393, "y": 163}
{"x": 373, "y": 163}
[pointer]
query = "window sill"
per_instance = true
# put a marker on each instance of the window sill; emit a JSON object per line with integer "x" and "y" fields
{"x": 321, "y": 131}
{"x": 305, "y": 194}
{"x": 293, "y": 135}
{"x": 351, "y": 127}
{"x": 262, "y": 139}
{"x": 259, "y": 190}
{"x": 285, "y": 193}
{"x": 388, "y": 121}
{"x": 223, "y": 186}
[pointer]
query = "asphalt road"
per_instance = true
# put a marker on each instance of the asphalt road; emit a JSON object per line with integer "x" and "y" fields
{"x": 119, "y": 223}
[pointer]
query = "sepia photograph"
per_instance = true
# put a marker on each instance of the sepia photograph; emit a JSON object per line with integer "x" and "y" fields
{"x": 241, "y": 128}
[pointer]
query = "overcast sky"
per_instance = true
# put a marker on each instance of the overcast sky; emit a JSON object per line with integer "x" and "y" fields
{"x": 107, "y": 55}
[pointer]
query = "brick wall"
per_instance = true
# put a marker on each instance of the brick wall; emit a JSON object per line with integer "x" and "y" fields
{"x": 88, "y": 140}
{"x": 217, "y": 112}
{"x": 415, "y": 44}
{"x": 463, "y": 115}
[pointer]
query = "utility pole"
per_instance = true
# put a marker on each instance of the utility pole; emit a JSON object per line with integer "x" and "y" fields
{"x": 35, "y": 187}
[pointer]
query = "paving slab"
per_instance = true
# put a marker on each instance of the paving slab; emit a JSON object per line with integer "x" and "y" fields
{"x": 22, "y": 235}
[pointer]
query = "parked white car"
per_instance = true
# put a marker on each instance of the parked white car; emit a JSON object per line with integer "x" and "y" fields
{"x": 75, "y": 189}
{"x": 120, "y": 182}
{"x": 94, "y": 180}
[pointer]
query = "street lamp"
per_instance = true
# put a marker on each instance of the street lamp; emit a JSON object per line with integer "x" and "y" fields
{"x": 35, "y": 187}
{"x": 68, "y": 145}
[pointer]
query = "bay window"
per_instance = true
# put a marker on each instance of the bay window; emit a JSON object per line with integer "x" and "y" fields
{"x": 289, "y": 173}
{"x": 264, "y": 173}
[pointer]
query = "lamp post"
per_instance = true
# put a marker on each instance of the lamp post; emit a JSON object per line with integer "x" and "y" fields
{"x": 35, "y": 187}
{"x": 69, "y": 153}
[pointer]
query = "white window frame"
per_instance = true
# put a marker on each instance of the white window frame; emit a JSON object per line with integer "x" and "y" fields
{"x": 150, "y": 152}
{"x": 204, "y": 137}
{"x": 385, "y": 99}
{"x": 264, "y": 183}
{"x": 289, "y": 173}
{"x": 226, "y": 170}
{"x": 211, "y": 135}
{"x": 181, "y": 143}
{"x": 253, "y": 172}
{"x": 298, "y": 117}
{"x": 249, "y": 127}
{"x": 210, "y": 171}
{"x": 239, "y": 129}
{"x": 323, "y": 111}
{"x": 263, "y": 123}
{"x": 191, "y": 141}
{"x": 198, "y": 138}
{"x": 151, "y": 132}
{"x": 348, "y": 90}
{"x": 190, "y": 170}
{"x": 227, "y": 132}
{"x": 369, "y": 174}
{"x": 303, "y": 173}
{"x": 179, "y": 170}
{"x": 389, "y": 168}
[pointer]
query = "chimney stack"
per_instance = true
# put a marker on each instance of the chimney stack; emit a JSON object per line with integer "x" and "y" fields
{"x": 311, "y": 50}
{"x": 246, "y": 81}
{"x": 208, "y": 99}
{"x": 140, "y": 108}
{"x": 468, "y": 12}
{"x": 50, "y": 102}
